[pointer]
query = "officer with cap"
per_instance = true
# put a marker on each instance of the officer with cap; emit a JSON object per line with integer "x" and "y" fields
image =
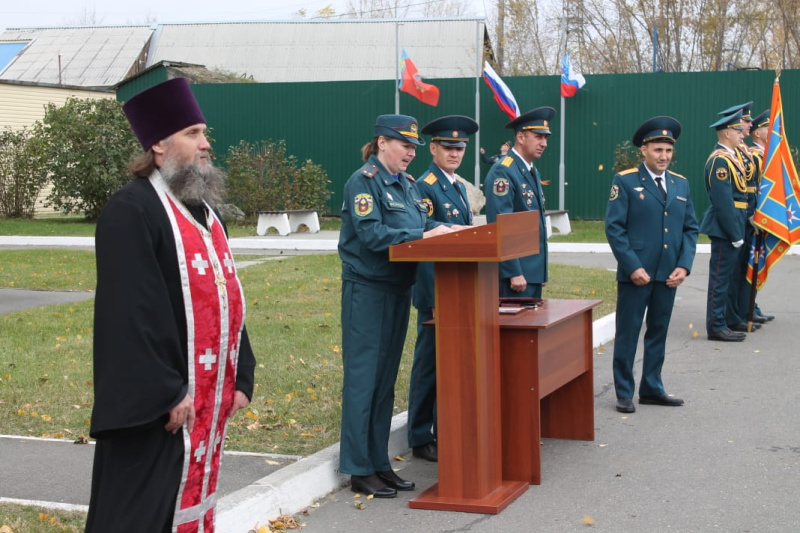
{"x": 753, "y": 158}
{"x": 652, "y": 230}
{"x": 446, "y": 200}
{"x": 382, "y": 207}
{"x": 512, "y": 185}
{"x": 724, "y": 222}
{"x": 739, "y": 289}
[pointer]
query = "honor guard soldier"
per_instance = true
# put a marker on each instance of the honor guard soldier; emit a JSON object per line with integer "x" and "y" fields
{"x": 739, "y": 288}
{"x": 446, "y": 201}
{"x": 652, "y": 230}
{"x": 724, "y": 222}
{"x": 512, "y": 185}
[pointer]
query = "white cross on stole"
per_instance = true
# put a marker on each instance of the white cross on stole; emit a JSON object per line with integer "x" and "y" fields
{"x": 208, "y": 359}
{"x": 228, "y": 262}
{"x": 200, "y": 451}
{"x": 233, "y": 353}
{"x": 200, "y": 264}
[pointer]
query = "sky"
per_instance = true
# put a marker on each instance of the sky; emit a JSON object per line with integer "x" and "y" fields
{"x": 36, "y": 13}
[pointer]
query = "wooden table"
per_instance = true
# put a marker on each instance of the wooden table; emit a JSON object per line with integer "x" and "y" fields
{"x": 546, "y": 373}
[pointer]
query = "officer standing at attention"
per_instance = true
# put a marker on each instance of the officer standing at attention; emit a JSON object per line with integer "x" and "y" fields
{"x": 724, "y": 222}
{"x": 512, "y": 185}
{"x": 739, "y": 289}
{"x": 382, "y": 206}
{"x": 753, "y": 158}
{"x": 446, "y": 200}
{"x": 652, "y": 230}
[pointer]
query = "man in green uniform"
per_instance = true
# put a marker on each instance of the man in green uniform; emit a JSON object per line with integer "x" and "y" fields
{"x": 724, "y": 222}
{"x": 446, "y": 200}
{"x": 514, "y": 185}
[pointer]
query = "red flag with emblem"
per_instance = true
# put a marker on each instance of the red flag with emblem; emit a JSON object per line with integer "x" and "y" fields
{"x": 411, "y": 83}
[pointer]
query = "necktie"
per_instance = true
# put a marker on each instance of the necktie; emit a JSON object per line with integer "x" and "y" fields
{"x": 661, "y": 188}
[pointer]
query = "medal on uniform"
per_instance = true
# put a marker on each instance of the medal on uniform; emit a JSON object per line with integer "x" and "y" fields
{"x": 641, "y": 196}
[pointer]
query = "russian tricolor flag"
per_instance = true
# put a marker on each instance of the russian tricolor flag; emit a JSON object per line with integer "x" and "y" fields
{"x": 502, "y": 94}
{"x": 571, "y": 80}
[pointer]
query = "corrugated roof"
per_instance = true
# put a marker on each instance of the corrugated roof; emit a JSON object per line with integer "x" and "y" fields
{"x": 90, "y": 56}
{"x": 324, "y": 51}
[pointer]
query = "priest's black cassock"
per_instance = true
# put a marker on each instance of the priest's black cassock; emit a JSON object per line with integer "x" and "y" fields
{"x": 141, "y": 363}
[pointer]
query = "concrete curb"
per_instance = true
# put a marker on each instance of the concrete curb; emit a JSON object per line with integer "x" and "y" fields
{"x": 293, "y": 488}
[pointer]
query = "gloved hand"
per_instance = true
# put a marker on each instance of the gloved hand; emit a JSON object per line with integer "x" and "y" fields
{"x": 738, "y": 243}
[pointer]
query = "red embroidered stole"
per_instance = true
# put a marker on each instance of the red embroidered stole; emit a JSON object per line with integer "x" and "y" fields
{"x": 215, "y": 311}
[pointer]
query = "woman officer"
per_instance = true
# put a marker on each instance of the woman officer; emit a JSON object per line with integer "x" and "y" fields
{"x": 382, "y": 207}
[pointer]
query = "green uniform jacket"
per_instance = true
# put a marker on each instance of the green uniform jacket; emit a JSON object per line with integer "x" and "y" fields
{"x": 510, "y": 188}
{"x": 378, "y": 212}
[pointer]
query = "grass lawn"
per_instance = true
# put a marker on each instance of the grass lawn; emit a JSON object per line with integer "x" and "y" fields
{"x": 293, "y": 306}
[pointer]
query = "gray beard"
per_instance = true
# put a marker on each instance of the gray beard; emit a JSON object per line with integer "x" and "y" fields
{"x": 192, "y": 184}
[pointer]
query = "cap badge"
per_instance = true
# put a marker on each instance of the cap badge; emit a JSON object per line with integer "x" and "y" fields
{"x": 413, "y": 128}
{"x": 664, "y": 133}
{"x": 455, "y": 135}
{"x": 544, "y": 123}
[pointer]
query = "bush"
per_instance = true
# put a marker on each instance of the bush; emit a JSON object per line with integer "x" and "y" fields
{"x": 88, "y": 144}
{"x": 262, "y": 177}
{"x": 22, "y": 173}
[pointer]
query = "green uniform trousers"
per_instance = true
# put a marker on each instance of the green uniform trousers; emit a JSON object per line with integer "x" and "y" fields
{"x": 374, "y": 326}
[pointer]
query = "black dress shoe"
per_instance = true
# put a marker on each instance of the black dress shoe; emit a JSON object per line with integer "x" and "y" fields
{"x": 660, "y": 399}
{"x": 767, "y": 318}
{"x": 758, "y": 319}
{"x": 625, "y": 405}
{"x": 429, "y": 452}
{"x": 371, "y": 486}
{"x": 391, "y": 478}
{"x": 726, "y": 335}
{"x": 743, "y": 327}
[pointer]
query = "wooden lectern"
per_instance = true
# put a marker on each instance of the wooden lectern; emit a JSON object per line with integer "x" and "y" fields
{"x": 468, "y": 360}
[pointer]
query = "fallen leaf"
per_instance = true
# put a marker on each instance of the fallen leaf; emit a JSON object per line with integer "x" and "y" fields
{"x": 359, "y": 505}
{"x": 602, "y": 445}
{"x": 588, "y": 520}
{"x": 696, "y": 334}
{"x": 271, "y": 462}
{"x": 398, "y": 458}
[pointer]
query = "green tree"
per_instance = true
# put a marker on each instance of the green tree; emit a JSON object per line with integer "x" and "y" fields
{"x": 262, "y": 177}
{"x": 88, "y": 144}
{"x": 22, "y": 173}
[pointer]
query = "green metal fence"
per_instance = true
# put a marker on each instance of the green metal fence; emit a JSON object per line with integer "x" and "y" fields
{"x": 328, "y": 122}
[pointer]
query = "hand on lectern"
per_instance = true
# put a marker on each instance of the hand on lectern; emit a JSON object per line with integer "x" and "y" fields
{"x": 438, "y": 230}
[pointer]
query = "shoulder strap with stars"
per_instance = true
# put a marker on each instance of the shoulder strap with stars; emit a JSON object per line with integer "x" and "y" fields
{"x": 369, "y": 170}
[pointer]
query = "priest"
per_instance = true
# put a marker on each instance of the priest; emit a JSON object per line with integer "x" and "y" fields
{"x": 172, "y": 360}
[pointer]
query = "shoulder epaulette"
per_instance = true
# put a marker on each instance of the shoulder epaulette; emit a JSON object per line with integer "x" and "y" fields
{"x": 507, "y": 162}
{"x": 677, "y": 175}
{"x": 628, "y": 171}
{"x": 430, "y": 178}
{"x": 410, "y": 178}
{"x": 369, "y": 171}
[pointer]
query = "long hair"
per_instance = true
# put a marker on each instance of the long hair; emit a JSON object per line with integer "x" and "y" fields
{"x": 142, "y": 165}
{"x": 371, "y": 148}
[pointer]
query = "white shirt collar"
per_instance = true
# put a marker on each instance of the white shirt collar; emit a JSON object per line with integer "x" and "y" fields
{"x": 528, "y": 165}
{"x": 451, "y": 179}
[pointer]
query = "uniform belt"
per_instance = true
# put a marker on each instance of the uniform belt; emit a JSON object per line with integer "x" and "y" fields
{"x": 751, "y": 189}
{"x": 740, "y": 205}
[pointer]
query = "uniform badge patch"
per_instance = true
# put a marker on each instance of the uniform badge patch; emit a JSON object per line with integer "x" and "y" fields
{"x": 428, "y": 205}
{"x": 362, "y": 205}
{"x": 430, "y": 179}
{"x": 500, "y": 186}
{"x": 722, "y": 173}
{"x": 614, "y": 193}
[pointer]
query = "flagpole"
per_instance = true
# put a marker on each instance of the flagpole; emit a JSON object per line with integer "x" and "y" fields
{"x": 561, "y": 172}
{"x": 753, "y": 279}
{"x": 396, "y": 67}
{"x": 478, "y": 63}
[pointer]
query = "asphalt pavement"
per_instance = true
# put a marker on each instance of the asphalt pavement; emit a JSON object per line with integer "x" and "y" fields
{"x": 728, "y": 460}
